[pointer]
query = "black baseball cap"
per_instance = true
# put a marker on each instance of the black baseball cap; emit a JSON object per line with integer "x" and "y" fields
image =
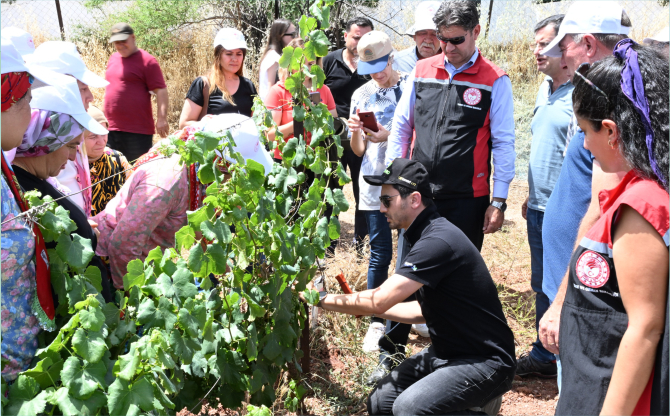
{"x": 121, "y": 31}
{"x": 404, "y": 172}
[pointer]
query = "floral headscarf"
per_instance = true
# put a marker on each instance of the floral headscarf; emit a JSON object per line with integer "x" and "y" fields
{"x": 48, "y": 131}
{"x": 14, "y": 87}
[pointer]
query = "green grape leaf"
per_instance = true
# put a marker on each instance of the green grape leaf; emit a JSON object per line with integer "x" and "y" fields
{"x": 184, "y": 238}
{"x": 183, "y": 283}
{"x": 296, "y": 59}
{"x": 286, "y": 57}
{"x": 83, "y": 378}
{"x": 289, "y": 148}
{"x": 127, "y": 364}
{"x": 126, "y": 399}
{"x": 135, "y": 275}
{"x": 310, "y": 51}
{"x": 322, "y": 228}
{"x": 334, "y": 228}
{"x": 19, "y": 404}
{"x": 340, "y": 200}
{"x": 216, "y": 231}
{"x": 92, "y": 319}
{"x": 183, "y": 347}
{"x": 311, "y": 296}
{"x": 299, "y": 113}
{"x": 227, "y": 365}
{"x": 47, "y": 371}
{"x": 307, "y": 207}
{"x": 271, "y": 350}
{"x": 192, "y": 321}
{"x": 342, "y": 175}
{"x": 56, "y": 223}
{"x": 75, "y": 251}
{"x": 155, "y": 255}
{"x": 307, "y": 24}
{"x": 320, "y": 41}
{"x": 162, "y": 316}
{"x": 93, "y": 276}
{"x": 91, "y": 347}
{"x": 71, "y": 406}
{"x": 195, "y": 258}
{"x": 319, "y": 76}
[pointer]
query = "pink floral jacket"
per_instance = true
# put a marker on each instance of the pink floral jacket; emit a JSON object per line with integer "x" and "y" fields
{"x": 147, "y": 212}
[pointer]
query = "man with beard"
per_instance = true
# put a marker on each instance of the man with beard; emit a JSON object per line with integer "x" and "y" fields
{"x": 424, "y": 33}
{"x": 470, "y": 363}
{"x": 343, "y": 79}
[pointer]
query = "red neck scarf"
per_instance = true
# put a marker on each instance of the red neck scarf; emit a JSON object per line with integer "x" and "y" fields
{"x": 43, "y": 275}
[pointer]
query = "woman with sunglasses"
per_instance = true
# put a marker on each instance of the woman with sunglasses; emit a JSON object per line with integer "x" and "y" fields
{"x": 224, "y": 89}
{"x": 281, "y": 33}
{"x": 614, "y": 326}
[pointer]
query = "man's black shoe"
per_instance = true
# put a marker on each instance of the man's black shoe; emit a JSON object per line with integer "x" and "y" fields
{"x": 526, "y": 365}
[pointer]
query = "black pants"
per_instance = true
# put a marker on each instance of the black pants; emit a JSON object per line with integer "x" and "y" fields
{"x": 467, "y": 214}
{"x": 427, "y": 385}
{"x": 354, "y": 162}
{"x": 132, "y": 145}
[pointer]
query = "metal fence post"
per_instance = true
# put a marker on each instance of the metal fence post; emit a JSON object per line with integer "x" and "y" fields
{"x": 60, "y": 20}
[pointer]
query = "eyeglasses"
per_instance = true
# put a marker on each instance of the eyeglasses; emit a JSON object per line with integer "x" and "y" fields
{"x": 582, "y": 71}
{"x": 292, "y": 34}
{"x": 386, "y": 199}
{"x": 454, "y": 41}
{"x": 535, "y": 45}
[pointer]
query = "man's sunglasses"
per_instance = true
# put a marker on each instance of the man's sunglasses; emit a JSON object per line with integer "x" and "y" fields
{"x": 386, "y": 199}
{"x": 454, "y": 41}
{"x": 292, "y": 34}
{"x": 582, "y": 71}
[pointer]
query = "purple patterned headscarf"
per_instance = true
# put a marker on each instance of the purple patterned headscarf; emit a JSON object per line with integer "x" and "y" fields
{"x": 632, "y": 86}
{"x": 47, "y": 132}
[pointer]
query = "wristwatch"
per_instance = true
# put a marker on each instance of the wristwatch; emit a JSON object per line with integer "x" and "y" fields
{"x": 320, "y": 285}
{"x": 502, "y": 206}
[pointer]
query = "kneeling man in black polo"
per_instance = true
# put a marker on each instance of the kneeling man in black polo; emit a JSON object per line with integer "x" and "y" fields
{"x": 470, "y": 363}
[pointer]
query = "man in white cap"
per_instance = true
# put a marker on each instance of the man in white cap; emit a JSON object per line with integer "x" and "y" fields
{"x": 134, "y": 75}
{"x": 424, "y": 33}
{"x": 64, "y": 58}
{"x": 660, "y": 41}
{"x": 589, "y": 32}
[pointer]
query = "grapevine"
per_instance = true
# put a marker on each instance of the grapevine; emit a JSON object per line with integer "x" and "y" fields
{"x": 173, "y": 335}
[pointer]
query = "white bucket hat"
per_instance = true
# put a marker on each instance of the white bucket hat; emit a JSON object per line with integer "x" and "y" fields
{"x": 230, "y": 39}
{"x": 63, "y": 57}
{"x": 662, "y": 36}
{"x": 22, "y": 40}
{"x": 245, "y": 135}
{"x": 12, "y": 61}
{"x": 423, "y": 17}
{"x": 588, "y": 17}
{"x": 65, "y": 98}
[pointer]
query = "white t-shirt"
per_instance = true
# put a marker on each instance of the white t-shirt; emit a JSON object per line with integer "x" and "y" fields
{"x": 381, "y": 101}
{"x": 271, "y": 58}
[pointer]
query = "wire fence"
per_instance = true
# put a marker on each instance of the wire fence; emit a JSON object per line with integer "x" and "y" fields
{"x": 509, "y": 20}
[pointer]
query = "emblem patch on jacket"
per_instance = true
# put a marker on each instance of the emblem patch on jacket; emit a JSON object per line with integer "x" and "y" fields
{"x": 472, "y": 96}
{"x": 592, "y": 269}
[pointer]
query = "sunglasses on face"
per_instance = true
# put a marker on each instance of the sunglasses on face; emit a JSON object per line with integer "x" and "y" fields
{"x": 582, "y": 71}
{"x": 292, "y": 34}
{"x": 386, "y": 199}
{"x": 454, "y": 41}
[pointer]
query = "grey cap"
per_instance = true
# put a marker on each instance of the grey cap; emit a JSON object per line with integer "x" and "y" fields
{"x": 121, "y": 31}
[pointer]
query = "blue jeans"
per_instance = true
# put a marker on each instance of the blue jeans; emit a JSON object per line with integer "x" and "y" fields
{"x": 381, "y": 248}
{"x": 534, "y": 223}
{"x": 427, "y": 385}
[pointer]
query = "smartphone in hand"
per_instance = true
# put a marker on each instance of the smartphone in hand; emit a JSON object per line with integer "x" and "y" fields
{"x": 315, "y": 97}
{"x": 369, "y": 120}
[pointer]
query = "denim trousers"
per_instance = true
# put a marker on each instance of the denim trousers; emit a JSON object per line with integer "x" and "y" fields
{"x": 349, "y": 159}
{"x": 381, "y": 250}
{"x": 427, "y": 385}
{"x": 534, "y": 224}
